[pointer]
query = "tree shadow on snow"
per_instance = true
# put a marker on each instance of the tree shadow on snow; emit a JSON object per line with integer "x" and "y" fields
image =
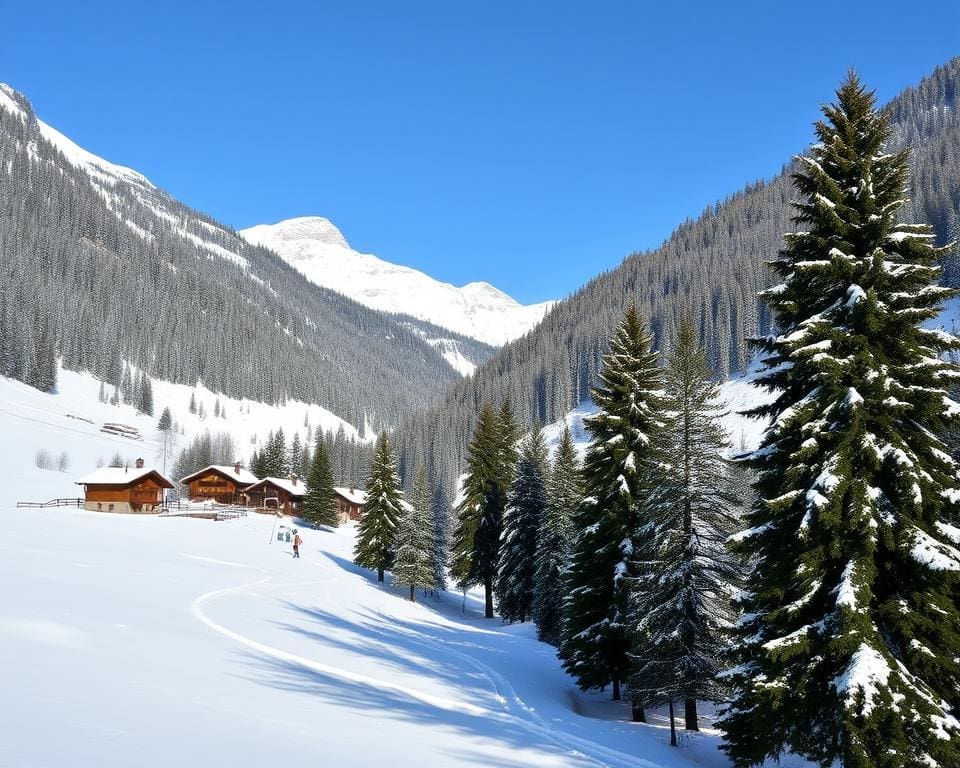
{"x": 394, "y": 704}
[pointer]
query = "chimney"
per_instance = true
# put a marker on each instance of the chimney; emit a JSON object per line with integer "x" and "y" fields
{"x": 236, "y": 467}
{"x": 139, "y": 463}
{"x": 293, "y": 479}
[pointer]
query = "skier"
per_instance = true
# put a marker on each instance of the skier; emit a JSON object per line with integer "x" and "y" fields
{"x": 297, "y": 541}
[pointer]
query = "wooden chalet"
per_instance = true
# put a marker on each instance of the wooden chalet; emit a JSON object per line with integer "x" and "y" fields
{"x": 222, "y": 484}
{"x": 276, "y": 495}
{"x": 122, "y": 489}
{"x": 349, "y": 503}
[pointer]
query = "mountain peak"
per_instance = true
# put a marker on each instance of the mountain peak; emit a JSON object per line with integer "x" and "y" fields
{"x": 319, "y": 251}
{"x": 313, "y": 228}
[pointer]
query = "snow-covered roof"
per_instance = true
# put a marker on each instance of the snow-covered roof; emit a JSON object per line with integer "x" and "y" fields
{"x": 119, "y": 476}
{"x": 242, "y": 477}
{"x": 283, "y": 482}
{"x": 353, "y": 495}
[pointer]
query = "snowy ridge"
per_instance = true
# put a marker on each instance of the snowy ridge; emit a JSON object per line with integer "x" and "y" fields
{"x": 318, "y": 249}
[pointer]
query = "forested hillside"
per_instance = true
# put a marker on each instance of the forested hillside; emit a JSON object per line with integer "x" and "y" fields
{"x": 711, "y": 267}
{"x": 100, "y": 267}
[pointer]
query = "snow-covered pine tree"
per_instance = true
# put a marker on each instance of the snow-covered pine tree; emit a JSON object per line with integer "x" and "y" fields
{"x": 522, "y": 518}
{"x": 680, "y": 605}
{"x": 167, "y": 437}
{"x": 381, "y": 514}
{"x": 441, "y": 536}
{"x": 595, "y": 646}
{"x": 145, "y": 395}
{"x": 319, "y": 505}
{"x": 413, "y": 563}
{"x": 475, "y": 550}
{"x": 851, "y": 631}
{"x": 295, "y": 454}
{"x": 564, "y": 496}
{"x": 193, "y": 402}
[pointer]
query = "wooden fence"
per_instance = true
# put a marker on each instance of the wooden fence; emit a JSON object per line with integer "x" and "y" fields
{"x": 51, "y": 503}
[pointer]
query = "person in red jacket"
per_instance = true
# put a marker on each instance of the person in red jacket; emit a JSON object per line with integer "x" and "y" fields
{"x": 297, "y": 541}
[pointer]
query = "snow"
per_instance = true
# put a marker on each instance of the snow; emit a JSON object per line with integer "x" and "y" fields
{"x": 866, "y": 673}
{"x": 97, "y": 167}
{"x": 934, "y": 554}
{"x": 352, "y": 495}
{"x": 7, "y": 102}
{"x": 846, "y": 591}
{"x": 137, "y": 636}
{"x": 315, "y": 247}
{"x": 116, "y": 476}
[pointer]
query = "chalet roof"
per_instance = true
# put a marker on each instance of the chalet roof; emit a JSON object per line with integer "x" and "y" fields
{"x": 121, "y": 476}
{"x": 353, "y": 495}
{"x": 243, "y": 478}
{"x": 300, "y": 489}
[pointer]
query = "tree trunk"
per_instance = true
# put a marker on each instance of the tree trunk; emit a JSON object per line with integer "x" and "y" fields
{"x": 488, "y": 597}
{"x": 690, "y": 715}
{"x": 379, "y": 574}
{"x": 616, "y": 690}
{"x": 673, "y": 727}
{"x": 638, "y": 713}
{"x": 413, "y": 594}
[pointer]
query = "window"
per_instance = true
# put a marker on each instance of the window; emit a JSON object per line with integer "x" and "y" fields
{"x": 110, "y": 508}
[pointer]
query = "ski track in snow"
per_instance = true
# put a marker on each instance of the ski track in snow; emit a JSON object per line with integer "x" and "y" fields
{"x": 292, "y": 658}
{"x": 502, "y": 690}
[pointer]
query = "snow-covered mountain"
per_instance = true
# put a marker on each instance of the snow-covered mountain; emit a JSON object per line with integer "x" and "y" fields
{"x": 89, "y": 249}
{"x": 319, "y": 250}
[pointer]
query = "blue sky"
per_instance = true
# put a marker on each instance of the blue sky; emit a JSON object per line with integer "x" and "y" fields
{"x": 531, "y": 144}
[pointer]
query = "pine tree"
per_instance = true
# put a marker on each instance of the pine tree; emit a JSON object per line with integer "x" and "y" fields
{"x": 319, "y": 505}
{"x": 680, "y": 609}
{"x": 523, "y": 516}
{"x": 476, "y": 542}
{"x": 167, "y": 437}
{"x": 145, "y": 405}
{"x": 102, "y": 395}
{"x": 564, "y": 496}
{"x": 413, "y": 565}
{"x": 851, "y": 633}
{"x": 595, "y": 645}
{"x": 377, "y": 530}
{"x": 441, "y": 527}
{"x": 295, "y": 456}
{"x": 193, "y": 402}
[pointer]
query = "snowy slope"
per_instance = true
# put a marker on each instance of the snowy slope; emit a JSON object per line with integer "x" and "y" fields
{"x": 70, "y": 422}
{"x": 319, "y": 250}
{"x": 154, "y": 642}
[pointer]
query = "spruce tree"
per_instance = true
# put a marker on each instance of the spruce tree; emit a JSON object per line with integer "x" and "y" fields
{"x": 850, "y": 638}
{"x": 145, "y": 405}
{"x": 595, "y": 643}
{"x": 564, "y": 496}
{"x": 523, "y": 516}
{"x": 441, "y": 536}
{"x": 377, "y": 530}
{"x": 193, "y": 403}
{"x": 476, "y": 544}
{"x": 413, "y": 563}
{"x": 319, "y": 504}
{"x": 680, "y": 608}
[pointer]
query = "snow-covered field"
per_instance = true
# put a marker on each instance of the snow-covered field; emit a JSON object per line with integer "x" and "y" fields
{"x": 134, "y": 640}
